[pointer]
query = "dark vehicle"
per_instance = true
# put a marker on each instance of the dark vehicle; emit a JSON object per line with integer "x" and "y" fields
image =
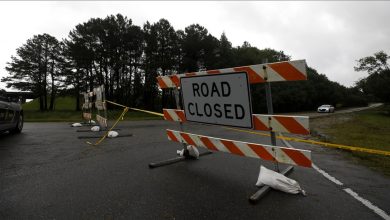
{"x": 11, "y": 116}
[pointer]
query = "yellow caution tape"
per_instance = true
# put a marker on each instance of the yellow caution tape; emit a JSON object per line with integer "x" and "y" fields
{"x": 114, "y": 103}
{"x": 137, "y": 109}
{"x": 339, "y": 146}
{"x": 150, "y": 112}
{"x": 112, "y": 127}
{"x": 125, "y": 110}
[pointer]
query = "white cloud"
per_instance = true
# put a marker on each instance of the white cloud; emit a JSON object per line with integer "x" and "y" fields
{"x": 331, "y": 36}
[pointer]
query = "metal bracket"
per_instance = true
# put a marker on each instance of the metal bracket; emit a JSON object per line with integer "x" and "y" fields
{"x": 186, "y": 153}
{"x": 89, "y": 130}
{"x": 176, "y": 159}
{"x": 87, "y": 137}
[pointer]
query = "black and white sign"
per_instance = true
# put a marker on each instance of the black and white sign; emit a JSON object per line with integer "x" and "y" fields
{"x": 222, "y": 99}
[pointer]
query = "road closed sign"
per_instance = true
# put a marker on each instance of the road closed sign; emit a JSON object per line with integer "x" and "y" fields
{"x": 222, "y": 99}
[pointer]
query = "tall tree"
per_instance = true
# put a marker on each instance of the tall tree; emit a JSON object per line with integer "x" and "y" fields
{"x": 199, "y": 49}
{"x": 34, "y": 67}
{"x": 127, "y": 59}
{"x": 162, "y": 53}
{"x": 377, "y": 82}
{"x": 224, "y": 53}
{"x": 107, "y": 51}
{"x": 373, "y": 64}
{"x": 82, "y": 50}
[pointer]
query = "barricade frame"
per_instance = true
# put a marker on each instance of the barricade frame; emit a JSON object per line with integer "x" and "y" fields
{"x": 87, "y": 109}
{"x": 101, "y": 105}
{"x": 173, "y": 81}
{"x": 186, "y": 155}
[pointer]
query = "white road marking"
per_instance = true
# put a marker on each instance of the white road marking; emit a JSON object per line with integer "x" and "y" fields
{"x": 327, "y": 176}
{"x": 364, "y": 201}
{"x": 367, "y": 203}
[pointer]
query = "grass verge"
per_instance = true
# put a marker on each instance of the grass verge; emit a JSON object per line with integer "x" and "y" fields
{"x": 64, "y": 112}
{"x": 62, "y": 103}
{"x": 75, "y": 116}
{"x": 366, "y": 129}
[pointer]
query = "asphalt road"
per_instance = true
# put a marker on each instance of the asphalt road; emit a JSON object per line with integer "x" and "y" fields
{"x": 48, "y": 173}
{"x": 314, "y": 114}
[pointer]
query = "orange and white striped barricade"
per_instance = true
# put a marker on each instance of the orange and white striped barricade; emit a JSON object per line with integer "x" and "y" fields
{"x": 86, "y": 101}
{"x": 87, "y": 116}
{"x": 91, "y": 97}
{"x": 100, "y": 106}
{"x": 280, "y": 71}
{"x": 98, "y": 101}
{"x": 266, "y": 152}
{"x": 102, "y": 122}
{"x": 222, "y": 97}
{"x": 87, "y": 109}
{"x": 89, "y": 103}
{"x": 100, "y": 98}
{"x": 276, "y": 123}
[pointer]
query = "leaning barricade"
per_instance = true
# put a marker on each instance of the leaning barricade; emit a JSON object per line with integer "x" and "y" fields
{"x": 222, "y": 97}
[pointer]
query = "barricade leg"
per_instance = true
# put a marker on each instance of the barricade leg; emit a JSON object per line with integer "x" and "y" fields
{"x": 175, "y": 160}
{"x": 264, "y": 189}
{"x": 89, "y": 130}
{"x": 87, "y": 137}
{"x": 186, "y": 155}
{"x": 281, "y": 71}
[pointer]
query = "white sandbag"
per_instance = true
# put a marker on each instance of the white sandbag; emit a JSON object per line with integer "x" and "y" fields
{"x": 112, "y": 134}
{"x": 192, "y": 151}
{"x": 92, "y": 122}
{"x": 278, "y": 181}
{"x": 77, "y": 125}
{"x": 95, "y": 128}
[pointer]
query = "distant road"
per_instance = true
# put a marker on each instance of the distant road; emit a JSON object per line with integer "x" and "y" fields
{"x": 314, "y": 114}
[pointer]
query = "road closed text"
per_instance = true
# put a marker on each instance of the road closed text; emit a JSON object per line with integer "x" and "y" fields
{"x": 217, "y": 99}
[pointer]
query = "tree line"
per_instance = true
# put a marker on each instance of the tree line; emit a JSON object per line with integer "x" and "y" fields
{"x": 127, "y": 58}
{"x": 376, "y": 84}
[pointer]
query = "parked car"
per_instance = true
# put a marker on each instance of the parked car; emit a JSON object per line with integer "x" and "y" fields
{"x": 326, "y": 108}
{"x": 11, "y": 116}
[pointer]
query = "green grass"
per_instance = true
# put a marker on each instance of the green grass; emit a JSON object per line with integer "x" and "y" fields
{"x": 75, "y": 116}
{"x": 51, "y": 116}
{"x": 366, "y": 129}
{"x": 370, "y": 129}
{"x": 134, "y": 115}
{"x": 66, "y": 103}
{"x": 65, "y": 112}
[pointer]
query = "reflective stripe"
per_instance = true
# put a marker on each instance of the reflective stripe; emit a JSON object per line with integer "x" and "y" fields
{"x": 280, "y": 71}
{"x": 265, "y": 152}
{"x": 277, "y": 123}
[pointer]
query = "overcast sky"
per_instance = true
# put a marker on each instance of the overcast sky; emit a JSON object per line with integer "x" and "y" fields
{"x": 331, "y": 36}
